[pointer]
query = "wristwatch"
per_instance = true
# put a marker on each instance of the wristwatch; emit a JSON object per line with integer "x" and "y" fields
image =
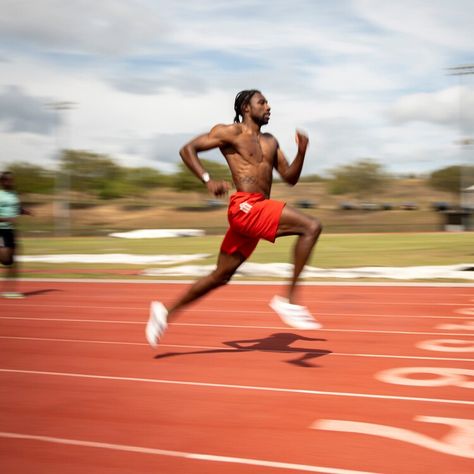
{"x": 205, "y": 177}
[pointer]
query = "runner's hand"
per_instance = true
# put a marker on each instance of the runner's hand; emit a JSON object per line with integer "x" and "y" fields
{"x": 302, "y": 141}
{"x": 218, "y": 188}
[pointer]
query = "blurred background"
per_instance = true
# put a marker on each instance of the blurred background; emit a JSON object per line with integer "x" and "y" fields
{"x": 96, "y": 98}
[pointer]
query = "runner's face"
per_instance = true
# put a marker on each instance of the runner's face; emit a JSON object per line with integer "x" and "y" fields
{"x": 259, "y": 109}
{"x": 7, "y": 182}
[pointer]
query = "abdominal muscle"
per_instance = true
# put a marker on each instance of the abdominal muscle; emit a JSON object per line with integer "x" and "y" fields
{"x": 251, "y": 178}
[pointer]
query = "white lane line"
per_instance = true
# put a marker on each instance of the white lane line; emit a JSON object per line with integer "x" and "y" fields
{"x": 184, "y": 346}
{"x": 262, "y": 301}
{"x": 238, "y": 387}
{"x": 257, "y": 282}
{"x": 182, "y": 454}
{"x": 234, "y": 326}
{"x": 144, "y": 309}
{"x": 72, "y": 320}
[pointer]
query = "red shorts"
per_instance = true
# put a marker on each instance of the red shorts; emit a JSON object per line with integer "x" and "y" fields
{"x": 251, "y": 217}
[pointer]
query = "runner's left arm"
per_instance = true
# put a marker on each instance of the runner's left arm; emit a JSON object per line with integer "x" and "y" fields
{"x": 291, "y": 173}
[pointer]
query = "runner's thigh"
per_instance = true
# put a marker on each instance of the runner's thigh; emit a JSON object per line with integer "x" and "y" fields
{"x": 293, "y": 222}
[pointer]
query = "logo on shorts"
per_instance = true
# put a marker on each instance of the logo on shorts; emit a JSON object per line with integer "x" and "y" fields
{"x": 245, "y": 207}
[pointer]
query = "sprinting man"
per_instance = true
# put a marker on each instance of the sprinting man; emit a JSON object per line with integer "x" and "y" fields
{"x": 10, "y": 209}
{"x": 251, "y": 156}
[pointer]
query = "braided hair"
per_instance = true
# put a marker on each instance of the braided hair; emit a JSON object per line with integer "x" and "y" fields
{"x": 241, "y": 100}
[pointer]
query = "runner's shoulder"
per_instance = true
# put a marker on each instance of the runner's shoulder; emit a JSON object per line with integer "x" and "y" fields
{"x": 270, "y": 137}
{"x": 226, "y": 130}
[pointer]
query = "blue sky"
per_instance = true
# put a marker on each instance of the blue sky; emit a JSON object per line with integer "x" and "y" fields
{"x": 364, "y": 78}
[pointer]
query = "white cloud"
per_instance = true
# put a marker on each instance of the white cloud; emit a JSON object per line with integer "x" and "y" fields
{"x": 83, "y": 26}
{"x": 442, "y": 23}
{"x": 20, "y": 112}
{"x": 446, "y": 107}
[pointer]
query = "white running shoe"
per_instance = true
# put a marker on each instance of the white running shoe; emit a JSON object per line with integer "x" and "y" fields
{"x": 293, "y": 315}
{"x": 157, "y": 324}
{"x": 13, "y": 295}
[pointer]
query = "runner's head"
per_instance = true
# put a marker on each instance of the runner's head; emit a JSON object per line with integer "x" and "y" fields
{"x": 6, "y": 180}
{"x": 253, "y": 103}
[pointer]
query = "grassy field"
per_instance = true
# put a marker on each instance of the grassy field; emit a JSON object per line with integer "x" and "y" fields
{"x": 333, "y": 251}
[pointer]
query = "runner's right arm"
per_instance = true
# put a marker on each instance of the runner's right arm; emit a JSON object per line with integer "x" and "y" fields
{"x": 216, "y": 138}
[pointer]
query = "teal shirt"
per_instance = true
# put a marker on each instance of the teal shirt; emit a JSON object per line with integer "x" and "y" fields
{"x": 9, "y": 207}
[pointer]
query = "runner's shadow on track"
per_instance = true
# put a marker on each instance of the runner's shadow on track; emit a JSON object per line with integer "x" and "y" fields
{"x": 278, "y": 342}
{"x": 38, "y": 292}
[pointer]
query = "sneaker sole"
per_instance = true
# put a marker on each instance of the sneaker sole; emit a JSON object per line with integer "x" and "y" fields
{"x": 289, "y": 322}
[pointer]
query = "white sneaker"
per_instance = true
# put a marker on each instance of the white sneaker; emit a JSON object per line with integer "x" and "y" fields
{"x": 293, "y": 315}
{"x": 157, "y": 324}
{"x": 13, "y": 295}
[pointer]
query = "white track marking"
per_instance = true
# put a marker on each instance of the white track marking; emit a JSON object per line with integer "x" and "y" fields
{"x": 184, "y": 346}
{"x": 446, "y": 345}
{"x": 241, "y": 326}
{"x": 181, "y": 454}
{"x": 466, "y": 326}
{"x": 443, "y": 376}
{"x": 459, "y": 442}
{"x": 144, "y": 309}
{"x": 237, "y": 387}
{"x": 263, "y": 302}
{"x": 255, "y": 282}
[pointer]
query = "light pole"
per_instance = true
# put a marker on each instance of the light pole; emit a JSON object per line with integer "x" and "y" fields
{"x": 62, "y": 225}
{"x": 466, "y": 142}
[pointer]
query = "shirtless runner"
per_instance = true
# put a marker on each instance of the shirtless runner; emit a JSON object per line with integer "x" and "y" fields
{"x": 251, "y": 156}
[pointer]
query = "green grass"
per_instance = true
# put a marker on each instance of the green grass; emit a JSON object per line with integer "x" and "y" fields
{"x": 333, "y": 251}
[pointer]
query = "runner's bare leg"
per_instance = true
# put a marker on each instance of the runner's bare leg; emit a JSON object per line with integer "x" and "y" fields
{"x": 308, "y": 229}
{"x": 11, "y": 269}
{"x": 226, "y": 267}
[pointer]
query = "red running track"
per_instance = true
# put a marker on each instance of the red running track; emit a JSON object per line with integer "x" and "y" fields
{"x": 386, "y": 386}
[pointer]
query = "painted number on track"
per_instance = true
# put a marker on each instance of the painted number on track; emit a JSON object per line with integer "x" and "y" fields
{"x": 466, "y": 326}
{"x": 428, "y": 376}
{"x": 447, "y": 345}
{"x": 458, "y": 442}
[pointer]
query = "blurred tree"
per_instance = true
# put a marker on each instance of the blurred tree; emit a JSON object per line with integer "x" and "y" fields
{"x": 117, "y": 189}
{"x": 311, "y": 178}
{"x": 446, "y": 179}
{"x": 363, "y": 178}
{"x": 89, "y": 172}
{"x": 32, "y": 179}
{"x": 147, "y": 178}
{"x": 185, "y": 180}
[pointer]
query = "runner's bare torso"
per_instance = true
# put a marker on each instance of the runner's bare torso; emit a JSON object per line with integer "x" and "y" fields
{"x": 251, "y": 157}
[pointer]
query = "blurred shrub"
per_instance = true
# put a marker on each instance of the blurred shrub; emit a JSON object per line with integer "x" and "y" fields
{"x": 32, "y": 179}
{"x": 117, "y": 189}
{"x": 89, "y": 172}
{"x": 446, "y": 179}
{"x": 146, "y": 178}
{"x": 363, "y": 178}
{"x": 311, "y": 178}
{"x": 100, "y": 175}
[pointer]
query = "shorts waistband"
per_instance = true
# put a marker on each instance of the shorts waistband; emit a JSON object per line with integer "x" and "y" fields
{"x": 245, "y": 195}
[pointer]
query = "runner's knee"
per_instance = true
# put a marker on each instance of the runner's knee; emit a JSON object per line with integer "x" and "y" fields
{"x": 222, "y": 277}
{"x": 314, "y": 227}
